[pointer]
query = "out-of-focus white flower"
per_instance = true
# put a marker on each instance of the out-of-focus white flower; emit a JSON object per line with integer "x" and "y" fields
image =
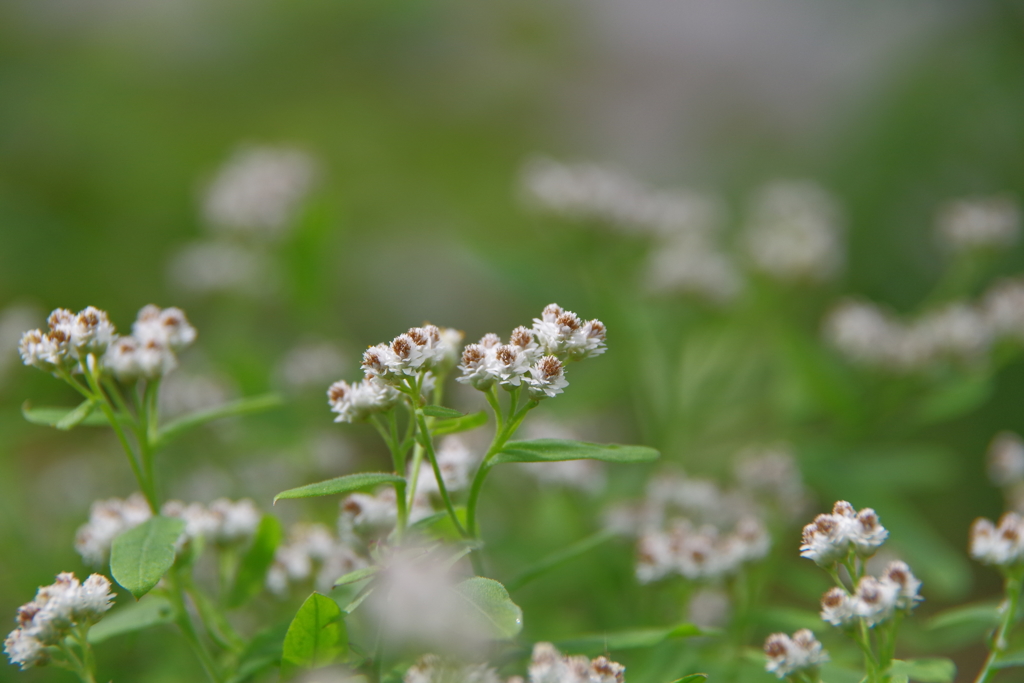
{"x": 830, "y": 537}
{"x": 169, "y": 327}
{"x": 310, "y": 545}
{"x": 787, "y": 655}
{"x": 591, "y": 192}
{"x": 56, "y": 609}
{"x": 708, "y": 608}
{"x": 956, "y": 330}
{"x": 838, "y": 607}
{"x": 693, "y": 264}
{"x": 1001, "y": 545}
{"x": 547, "y": 378}
{"x": 1003, "y": 308}
{"x": 478, "y": 369}
{"x": 773, "y": 473}
{"x": 107, "y": 520}
{"x": 548, "y": 665}
{"x": 259, "y": 191}
{"x": 199, "y": 522}
{"x": 356, "y": 402}
{"x": 307, "y": 364}
{"x": 876, "y": 600}
{"x": 455, "y": 460}
{"x": 1006, "y": 459}
{"x": 92, "y": 331}
{"x": 795, "y": 233}
{"x": 182, "y": 393}
{"x": 203, "y": 268}
{"x": 434, "y": 669}
{"x": 237, "y": 521}
{"x": 899, "y": 574}
{"x": 986, "y": 222}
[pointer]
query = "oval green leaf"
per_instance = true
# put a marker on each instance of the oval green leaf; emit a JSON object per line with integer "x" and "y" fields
{"x": 135, "y": 616}
{"x": 252, "y": 570}
{"x": 316, "y": 636}
{"x": 459, "y": 424}
{"x": 346, "y": 484}
{"x": 141, "y": 556}
{"x": 64, "y": 418}
{"x": 489, "y": 599}
{"x": 441, "y": 412}
{"x": 554, "y": 450}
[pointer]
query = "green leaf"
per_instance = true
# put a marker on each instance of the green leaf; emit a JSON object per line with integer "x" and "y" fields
{"x": 1010, "y": 661}
{"x": 630, "y": 640}
{"x": 440, "y": 525}
{"x": 692, "y": 678}
{"x": 141, "y": 556}
{"x": 263, "y": 652}
{"x": 243, "y": 406}
{"x": 559, "y": 558}
{"x": 554, "y": 450}
{"x": 357, "y": 575}
{"x": 316, "y": 636}
{"x": 76, "y": 416}
{"x": 252, "y": 570}
{"x": 55, "y": 417}
{"x": 931, "y": 670}
{"x": 346, "y": 484}
{"x": 491, "y": 601}
{"x": 153, "y": 611}
{"x": 459, "y": 424}
{"x": 441, "y": 412}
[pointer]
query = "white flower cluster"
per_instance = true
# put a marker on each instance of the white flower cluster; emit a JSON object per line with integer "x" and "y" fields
{"x": 985, "y": 222}
{"x": 223, "y": 522}
{"x": 548, "y": 665}
{"x": 534, "y": 357}
{"x": 794, "y": 233}
{"x": 1002, "y": 544}
{"x": 875, "y": 600}
{"x": 259, "y": 190}
{"x": 693, "y": 263}
{"x": 311, "y": 550}
{"x": 434, "y": 669}
{"x": 208, "y": 267}
{"x": 56, "y": 610}
{"x": 830, "y": 538}
{"x": 788, "y": 656}
{"x": 149, "y": 352}
{"x": 772, "y": 475}
{"x": 411, "y": 359}
{"x": 376, "y": 513}
{"x": 1006, "y": 468}
{"x": 455, "y": 459}
{"x": 702, "y": 553}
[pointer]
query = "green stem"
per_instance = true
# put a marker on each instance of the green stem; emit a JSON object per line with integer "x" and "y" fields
{"x": 188, "y": 629}
{"x": 999, "y": 644}
{"x": 390, "y": 436}
{"x": 92, "y": 376}
{"x": 426, "y": 440}
{"x": 74, "y": 663}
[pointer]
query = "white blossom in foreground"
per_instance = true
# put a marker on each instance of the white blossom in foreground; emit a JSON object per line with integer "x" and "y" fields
{"x": 259, "y": 190}
{"x": 838, "y": 607}
{"x": 831, "y": 537}
{"x": 547, "y": 378}
{"x": 548, "y": 665}
{"x": 356, "y": 402}
{"x": 1000, "y": 545}
{"x": 787, "y": 656}
{"x": 56, "y": 609}
{"x": 876, "y": 600}
{"x": 794, "y": 233}
{"x": 986, "y": 222}
{"x": 70, "y": 338}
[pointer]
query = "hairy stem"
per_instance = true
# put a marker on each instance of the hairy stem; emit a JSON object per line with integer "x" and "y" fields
{"x": 1000, "y": 642}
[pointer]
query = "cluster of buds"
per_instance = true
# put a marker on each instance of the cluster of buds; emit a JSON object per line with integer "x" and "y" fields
{"x": 373, "y": 514}
{"x": 1000, "y": 545}
{"x": 412, "y": 360}
{"x": 56, "y": 610}
{"x": 831, "y": 538}
{"x": 700, "y": 553}
{"x": 434, "y": 669}
{"x": 149, "y": 352}
{"x": 875, "y": 600}
{"x": 222, "y": 522}
{"x": 548, "y": 665}
{"x": 534, "y": 357}
{"x": 311, "y": 551}
{"x": 794, "y": 656}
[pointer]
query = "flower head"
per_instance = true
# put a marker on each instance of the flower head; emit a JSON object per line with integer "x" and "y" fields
{"x": 356, "y": 402}
{"x": 837, "y": 607}
{"x": 547, "y": 378}
{"x": 787, "y": 656}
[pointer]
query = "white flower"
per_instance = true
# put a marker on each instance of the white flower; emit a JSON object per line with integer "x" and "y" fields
{"x": 259, "y": 190}
{"x": 356, "y": 402}
{"x": 1003, "y": 308}
{"x": 434, "y": 669}
{"x": 107, "y": 520}
{"x": 751, "y": 539}
{"x": 979, "y": 223}
{"x": 868, "y": 535}
{"x": 899, "y": 574}
{"x": 455, "y": 460}
{"x": 122, "y": 359}
{"x": 451, "y": 340}
{"x": 1000, "y": 545}
{"x": 56, "y": 609}
{"x": 876, "y": 600}
{"x": 478, "y": 371}
{"x": 547, "y": 378}
{"x": 523, "y": 339}
{"x": 306, "y": 364}
{"x": 824, "y": 541}
{"x": 210, "y": 267}
{"x": 237, "y": 520}
{"x": 199, "y": 522}
{"x": 154, "y": 359}
{"x": 548, "y": 665}
{"x": 1006, "y": 459}
{"x": 794, "y": 233}
{"x": 555, "y": 335}
{"x": 94, "y": 598}
{"x": 510, "y": 365}
{"x": 168, "y": 327}
{"x": 36, "y": 350}
{"x": 24, "y": 650}
{"x": 92, "y": 331}
{"x": 693, "y": 264}
{"x": 371, "y": 512}
{"x": 956, "y": 330}
{"x": 655, "y": 556}
{"x": 407, "y": 357}
{"x": 789, "y": 655}
{"x": 838, "y": 607}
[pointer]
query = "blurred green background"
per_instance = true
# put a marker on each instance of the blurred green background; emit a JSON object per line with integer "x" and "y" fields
{"x": 420, "y": 115}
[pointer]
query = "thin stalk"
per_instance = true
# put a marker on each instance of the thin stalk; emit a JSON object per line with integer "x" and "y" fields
{"x": 92, "y": 376}
{"x": 390, "y": 436}
{"x": 88, "y": 658}
{"x": 999, "y": 644}
{"x": 188, "y": 629}
{"x": 428, "y": 447}
{"x": 864, "y": 641}
{"x": 74, "y": 663}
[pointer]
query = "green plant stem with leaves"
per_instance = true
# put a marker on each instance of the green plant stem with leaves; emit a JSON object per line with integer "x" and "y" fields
{"x": 1000, "y": 640}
